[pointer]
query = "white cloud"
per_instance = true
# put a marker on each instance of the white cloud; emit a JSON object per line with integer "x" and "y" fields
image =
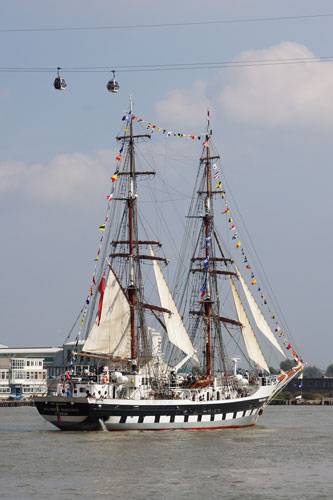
{"x": 67, "y": 178}
{"x": 280, "y": 95}
{"x": 185, "y": 107}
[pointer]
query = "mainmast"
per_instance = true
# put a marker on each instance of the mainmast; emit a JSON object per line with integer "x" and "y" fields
{"x": 131, "y": 210}
{"x": 208, "y": 228}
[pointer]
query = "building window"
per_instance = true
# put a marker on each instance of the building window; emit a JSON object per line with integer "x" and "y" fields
{"x": 18, "y": 364}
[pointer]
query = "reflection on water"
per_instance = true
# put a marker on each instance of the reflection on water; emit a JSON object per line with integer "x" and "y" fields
{"x": 288, "y": 455}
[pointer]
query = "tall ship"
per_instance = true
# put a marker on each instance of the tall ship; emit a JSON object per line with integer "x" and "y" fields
{"x": 165, "y": 357}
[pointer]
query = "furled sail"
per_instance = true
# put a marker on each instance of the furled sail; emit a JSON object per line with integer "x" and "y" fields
{"x": 251, "y": 343}
{"x": 175, "y": 327}
{"x": 258, "y": 316}
{"x": 112, "y": 335}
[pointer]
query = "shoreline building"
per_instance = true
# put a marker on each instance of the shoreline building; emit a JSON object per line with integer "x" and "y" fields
{"x": 24, "y": 371}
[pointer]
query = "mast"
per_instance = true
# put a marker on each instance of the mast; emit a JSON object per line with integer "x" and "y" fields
{"x": 131, "y": 209}
{"x": 207, "y": 222}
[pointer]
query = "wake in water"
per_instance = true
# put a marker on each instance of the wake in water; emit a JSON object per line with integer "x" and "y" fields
{"x": 102, "y": 424}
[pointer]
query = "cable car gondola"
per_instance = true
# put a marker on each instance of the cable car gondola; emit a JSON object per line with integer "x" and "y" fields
{"x": 113, "y": 85}
{"x": 59, "y": 83}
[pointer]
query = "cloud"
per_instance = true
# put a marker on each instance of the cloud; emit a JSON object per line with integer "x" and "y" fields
{"x": 279, "y": 95}
{"x": 67, "y": 178}
{"x": 185, "y": 107}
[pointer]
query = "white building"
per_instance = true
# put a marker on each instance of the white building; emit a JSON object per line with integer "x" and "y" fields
{"x": 22, "y": 378}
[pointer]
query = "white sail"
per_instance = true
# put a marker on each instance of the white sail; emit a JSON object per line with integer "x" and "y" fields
{"x": 251, "y": 343}
{"x": 112, "y": 335}
{"x": 176, "y": 330}
{"x": 258, "y": 316}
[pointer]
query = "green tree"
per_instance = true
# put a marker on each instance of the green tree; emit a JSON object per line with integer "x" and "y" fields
{"x": 273, "y": 371}
{"x": 288, "y": 364}
{"x": 329, "y": 370}
{"x": 312, "y": 372}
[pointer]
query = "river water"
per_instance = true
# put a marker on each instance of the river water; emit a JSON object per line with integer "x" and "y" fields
{"x": 288, "y": 455}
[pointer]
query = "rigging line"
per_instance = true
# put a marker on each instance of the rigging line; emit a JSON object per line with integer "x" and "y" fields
{"x": 167, "y": 25}
{"x": 259, "y": 262}
{"x": 77, "y": 319}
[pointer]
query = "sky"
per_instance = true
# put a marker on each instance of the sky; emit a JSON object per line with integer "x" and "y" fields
{"x": 272, "y": 124}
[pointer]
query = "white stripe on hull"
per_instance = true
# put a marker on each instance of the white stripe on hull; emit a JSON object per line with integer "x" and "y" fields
{"x": 113, "y": 423}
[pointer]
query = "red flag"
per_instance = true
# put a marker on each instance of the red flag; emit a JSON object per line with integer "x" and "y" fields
{"x": 101, "y": 290}
{"x": 206, "y": 144}
{"x": 68, "y": 376}
{"x": 288, "y": 346}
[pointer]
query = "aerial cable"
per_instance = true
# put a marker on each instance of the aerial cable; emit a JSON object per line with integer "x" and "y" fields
{"x": 174, "y": 66}
{"x": 167, "y": 25}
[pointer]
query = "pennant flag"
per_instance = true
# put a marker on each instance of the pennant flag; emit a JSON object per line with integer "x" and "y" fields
{"x": 232, "y": 228}
{"x": 235, "y": 236}
{"x": 248, "y": 267}
{"x": 245, "y": 260}
{"x": 230, "y": 220}
{"x": 219, "y": 185}
{"x": 216, "y": 176}
{"x": 118, "y": 157}
{"x": 127, "y": 117}
{"x": 206, "y": 262}
{"x": 277, "y": 329}
{"x": 101, "y": 290}
{"x": 227, "y": 211}
{"x": 109, "y": 197}
{"x": 102, "y": 227}
{"x": 238, "y": 244}
{"x": 223, "y": 194}
{"x": 91, "y": 290}
{"x": 214, "y": 166}
{"x": 208, "y": 240}
{"x": 288, "y": 347}
{"x": 254, "y": 282}
{"x": 114, "y": 177}
{"x": 206, "y": 144}
{"x": 281, "y": 334}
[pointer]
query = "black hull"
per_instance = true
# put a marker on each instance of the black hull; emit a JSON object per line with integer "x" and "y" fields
{"x": 70, "y": 414}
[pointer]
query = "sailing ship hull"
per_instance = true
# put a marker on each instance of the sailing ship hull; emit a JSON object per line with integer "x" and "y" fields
{"x": 118, "y": 415}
